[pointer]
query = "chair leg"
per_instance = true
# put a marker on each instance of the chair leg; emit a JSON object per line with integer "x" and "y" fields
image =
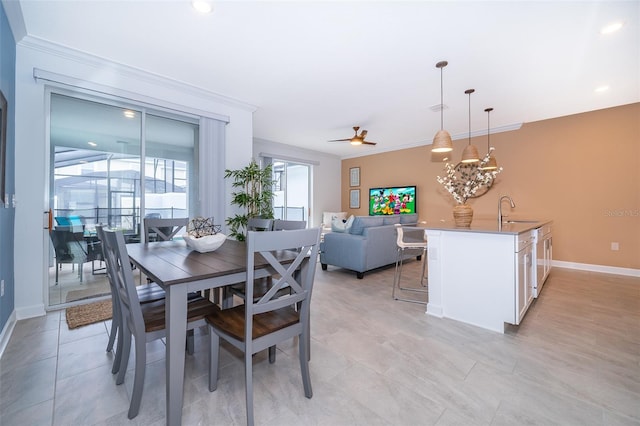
{"x": 214, "y": 358}
{"x": 398, "y": 276}
{"x": 125, "y": 352}
{"x": 57, "y": 268}
{"x": 190, "y": 344}
{"x": 138, "y": 380}
{"x": 114, "y": 324}
{"x": 272, "y": 354}
{"x": 248, "y": 377}
{"x": 304, "y": 364}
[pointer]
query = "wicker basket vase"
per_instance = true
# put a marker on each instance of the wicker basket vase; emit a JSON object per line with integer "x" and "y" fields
{"x": 462, "y": 215}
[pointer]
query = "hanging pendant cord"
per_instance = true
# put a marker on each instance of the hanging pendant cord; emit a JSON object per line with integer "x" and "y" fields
{"x": 441, "y": 102}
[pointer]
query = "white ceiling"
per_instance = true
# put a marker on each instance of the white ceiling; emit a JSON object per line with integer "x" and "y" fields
{"x": 314, "y": 69}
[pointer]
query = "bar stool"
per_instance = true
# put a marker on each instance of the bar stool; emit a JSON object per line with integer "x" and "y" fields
{"x": 411, "y": 246}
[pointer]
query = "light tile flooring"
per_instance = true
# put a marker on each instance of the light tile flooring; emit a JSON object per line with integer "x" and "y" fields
{"x": 575, "y": 360}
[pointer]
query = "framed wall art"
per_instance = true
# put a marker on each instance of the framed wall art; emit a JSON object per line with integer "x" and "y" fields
{"x": 354, "y": 199}
{"x": 354, "y": 176}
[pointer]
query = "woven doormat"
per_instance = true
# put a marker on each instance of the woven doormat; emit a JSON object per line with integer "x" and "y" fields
{"x": 90, "y": 313}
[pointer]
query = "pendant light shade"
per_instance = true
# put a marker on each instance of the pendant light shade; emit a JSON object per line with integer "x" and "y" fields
{"x": 442, "y": 140}
{"x": 491, "y": 164}
{"x": 470, "y": 153}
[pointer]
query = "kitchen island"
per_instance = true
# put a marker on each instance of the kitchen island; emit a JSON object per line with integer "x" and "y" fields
{"x": 482, "y": 275}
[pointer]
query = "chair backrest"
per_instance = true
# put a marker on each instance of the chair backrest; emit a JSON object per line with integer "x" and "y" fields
{"x": 412, "y": 241}
{"x": 165, "y": 229}
{"x": 259, "y": 224}
{"x": 69, "y": 246}
{"x": 400, "y": 235}
{"x": 288, "y": 225}
{"x": 117, "y": 260}
{"x": 298, "y": 276}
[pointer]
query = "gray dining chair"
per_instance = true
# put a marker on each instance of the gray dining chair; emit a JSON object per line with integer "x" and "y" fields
{"x": 144, "y": 322}
{"x": 288, "y": 225}
{"x": 260, "y": 324}
{"x": 164, "y": 229}
{"x": 147, "y": 293}
{"x": 259, "y": 224}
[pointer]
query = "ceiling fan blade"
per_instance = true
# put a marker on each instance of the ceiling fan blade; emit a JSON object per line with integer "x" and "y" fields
{"x": 363, "y": 134}
{"x": 340, "y": 140}
{"x": 368, "y": 143}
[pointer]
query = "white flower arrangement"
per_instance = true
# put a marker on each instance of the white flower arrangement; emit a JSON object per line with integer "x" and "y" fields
{"x": 462, "y": 184}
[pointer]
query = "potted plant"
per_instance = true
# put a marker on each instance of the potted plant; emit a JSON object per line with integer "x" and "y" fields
{"x": 255, "y": 196}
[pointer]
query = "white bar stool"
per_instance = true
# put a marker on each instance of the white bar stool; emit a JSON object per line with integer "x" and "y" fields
{"x": 410, "y": 246}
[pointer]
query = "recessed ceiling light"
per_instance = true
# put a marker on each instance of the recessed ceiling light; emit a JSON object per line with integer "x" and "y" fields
{"x": 202, "y": 6}
{"x": 90, "y": 143}
{"x": 611, "y": 28}
{"x": 129, "y": 114}
{"x": 601, "y": 89}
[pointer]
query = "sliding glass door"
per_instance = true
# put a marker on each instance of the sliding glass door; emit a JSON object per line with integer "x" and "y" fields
{"x": 110, "y": 164}
{"x": 291, "y": 183}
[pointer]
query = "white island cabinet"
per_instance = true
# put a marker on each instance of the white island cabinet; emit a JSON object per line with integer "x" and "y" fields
{"x": 483, "y": 275}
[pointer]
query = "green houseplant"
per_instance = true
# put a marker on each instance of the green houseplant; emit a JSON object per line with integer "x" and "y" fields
{"x": 254, "y": 195}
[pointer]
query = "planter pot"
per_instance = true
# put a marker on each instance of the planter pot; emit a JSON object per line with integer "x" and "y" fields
{"x": 462, "y": 215}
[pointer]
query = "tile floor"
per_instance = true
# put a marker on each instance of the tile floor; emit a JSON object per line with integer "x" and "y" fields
{"x": 575, "y": 360}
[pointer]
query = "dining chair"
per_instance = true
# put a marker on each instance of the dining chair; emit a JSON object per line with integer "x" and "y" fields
{"x": 288, "y": 225}
{"x": 149, "y": 292}
{"x": 69, "y": 248}
{"x": 163, "y": 229}
{"x": 258, "y": 325}
{"x": 259, "y": 224}
{"x": 144, "y": 322}
{"x": 409, "y": 245}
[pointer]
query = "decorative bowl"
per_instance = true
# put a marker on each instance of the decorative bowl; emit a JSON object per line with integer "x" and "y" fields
{"x": 205, "y": 244}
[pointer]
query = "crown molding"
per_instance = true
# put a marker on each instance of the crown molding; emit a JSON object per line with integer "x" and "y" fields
{"x": 126, "y": 71}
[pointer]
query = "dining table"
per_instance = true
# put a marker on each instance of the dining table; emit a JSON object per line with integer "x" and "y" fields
{"x": 180, "y": 270}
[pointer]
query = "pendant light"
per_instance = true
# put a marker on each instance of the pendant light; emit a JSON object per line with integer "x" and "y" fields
{"x": 442, "y": 140}
{"x": 470, "y": 153}
{"x": 491, "y": 164}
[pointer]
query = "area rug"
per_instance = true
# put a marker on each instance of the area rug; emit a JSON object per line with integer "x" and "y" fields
{"x": 89, "y": 313}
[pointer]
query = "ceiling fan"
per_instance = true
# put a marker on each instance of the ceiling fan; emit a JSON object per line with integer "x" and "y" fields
{"x": 357, "y": 139}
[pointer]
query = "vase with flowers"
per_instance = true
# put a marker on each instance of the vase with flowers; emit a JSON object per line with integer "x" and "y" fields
{"x": 464, "y": 181}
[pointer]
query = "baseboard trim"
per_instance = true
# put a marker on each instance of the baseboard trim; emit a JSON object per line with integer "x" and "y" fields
{"x": 30, "y": 312}
{"x": 597, "y": 268}
{"x": 7, "y": 331}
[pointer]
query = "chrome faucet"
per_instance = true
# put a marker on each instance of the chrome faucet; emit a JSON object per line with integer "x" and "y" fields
{"x": 513, "y": 205}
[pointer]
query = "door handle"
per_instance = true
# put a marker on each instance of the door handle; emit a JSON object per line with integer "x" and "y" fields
{"x": 48, "y": 220}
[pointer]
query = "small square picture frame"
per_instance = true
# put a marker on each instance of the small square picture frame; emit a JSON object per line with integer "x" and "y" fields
{"x": 354, "y": 199}
{"x": 354, "y": 176}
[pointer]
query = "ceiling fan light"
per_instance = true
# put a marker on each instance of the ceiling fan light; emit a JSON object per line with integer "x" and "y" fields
{"x": 355, "y": 141}
{"x": 470, "y": 154}
{"x": 442, "y": 142}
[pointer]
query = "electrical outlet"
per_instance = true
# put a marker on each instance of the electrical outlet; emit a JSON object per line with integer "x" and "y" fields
{"x": 1, "y": 288}
{"x": 615, "y": 246}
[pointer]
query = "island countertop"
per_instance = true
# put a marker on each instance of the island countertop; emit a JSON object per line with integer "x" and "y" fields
{"x": 486, "y": 226}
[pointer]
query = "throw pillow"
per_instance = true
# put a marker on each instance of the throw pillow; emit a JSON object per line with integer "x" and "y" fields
{"x": 338, "y": 225}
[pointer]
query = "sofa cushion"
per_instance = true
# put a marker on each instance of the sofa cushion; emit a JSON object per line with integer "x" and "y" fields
{"x": 338, "y": 225}
{"x": 361, "y": 222}
{"x": 409, "y": 218}
{"x": 391, "y": 220}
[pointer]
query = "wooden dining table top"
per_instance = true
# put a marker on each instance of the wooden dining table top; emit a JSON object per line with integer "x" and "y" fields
{"x": 172, "y": 262}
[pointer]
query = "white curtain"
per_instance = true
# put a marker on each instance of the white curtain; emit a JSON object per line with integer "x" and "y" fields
{"x": 211, "y": 164}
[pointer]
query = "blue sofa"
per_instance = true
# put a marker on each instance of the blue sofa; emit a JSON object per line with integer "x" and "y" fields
{"x": 369, "y": 244}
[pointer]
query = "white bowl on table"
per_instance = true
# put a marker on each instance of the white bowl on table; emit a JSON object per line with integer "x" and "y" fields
{"x": 205, "y": 244}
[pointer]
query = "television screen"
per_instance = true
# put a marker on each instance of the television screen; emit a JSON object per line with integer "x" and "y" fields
{"x": 392, "y": 200}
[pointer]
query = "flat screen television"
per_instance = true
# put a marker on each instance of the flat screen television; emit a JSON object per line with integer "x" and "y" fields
{"x": 392, "y": 200}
